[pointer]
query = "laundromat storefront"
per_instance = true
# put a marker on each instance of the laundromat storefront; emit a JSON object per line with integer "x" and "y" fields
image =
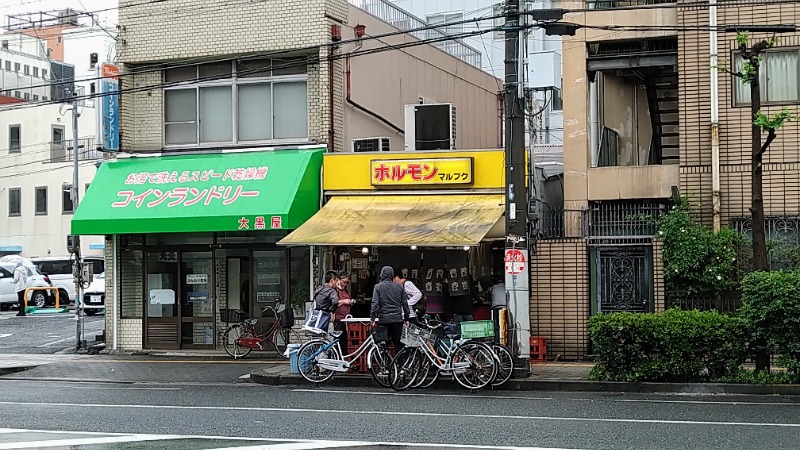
{"x": 192, "y": 234}
{"x": 435, "y": 216}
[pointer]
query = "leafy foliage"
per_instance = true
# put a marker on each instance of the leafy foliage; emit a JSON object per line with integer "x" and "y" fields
{"x": 698, "y": 263}
{"x": 776, "y": 121}
{"x": 670, "y": 346}
{"x": 771, "y": 311}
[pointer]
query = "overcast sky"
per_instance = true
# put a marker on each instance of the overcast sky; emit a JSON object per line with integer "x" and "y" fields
{"x": 24, "y": 6}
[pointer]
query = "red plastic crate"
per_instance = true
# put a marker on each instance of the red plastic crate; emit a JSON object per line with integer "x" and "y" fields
{"x": 357, "y": 330}
{"x": 538, "y": 349}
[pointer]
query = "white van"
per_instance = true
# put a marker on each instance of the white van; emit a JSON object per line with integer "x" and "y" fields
{"x": 59, "y": 269}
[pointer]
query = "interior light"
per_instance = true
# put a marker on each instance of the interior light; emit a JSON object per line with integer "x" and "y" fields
{"x": 365, "y": 251}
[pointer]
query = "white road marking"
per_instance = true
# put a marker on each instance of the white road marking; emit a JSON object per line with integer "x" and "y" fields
{"x": 114, "y": 388}
{"x": 245, "y": 377}
{"x": 410, "y": 414}
{"x": 71, "y": 338}
{"x": 277, "y": 444}
{"x": 83, "y": 441}
{"x": 419, "y": 394}
{"x": 5, "y": 335}
{"x": 707, "y": 402}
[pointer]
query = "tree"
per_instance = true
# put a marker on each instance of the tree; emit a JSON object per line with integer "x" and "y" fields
{"x": 753, "y": 56}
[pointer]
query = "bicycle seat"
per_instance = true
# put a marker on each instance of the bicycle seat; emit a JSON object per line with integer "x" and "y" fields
{"x": 250, "y": 321}
{"x": 335, "y": 334}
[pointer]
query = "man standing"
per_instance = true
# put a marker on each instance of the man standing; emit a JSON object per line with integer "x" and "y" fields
{"x": 20, "y": 283}
{"x": 389, "y": 306}
{"x": 414, "y": 296}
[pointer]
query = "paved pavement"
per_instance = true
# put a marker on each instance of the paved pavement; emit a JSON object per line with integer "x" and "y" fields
{"x": 370, "y": 418}
{"x": 43, "y": 334}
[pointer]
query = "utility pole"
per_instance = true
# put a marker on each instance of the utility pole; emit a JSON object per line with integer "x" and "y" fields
{"x": 74, "y": 194}
{"x": 517, "y": 262}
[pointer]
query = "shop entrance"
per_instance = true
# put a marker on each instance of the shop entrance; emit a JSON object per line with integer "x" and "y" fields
{"x": 180, "y": 300}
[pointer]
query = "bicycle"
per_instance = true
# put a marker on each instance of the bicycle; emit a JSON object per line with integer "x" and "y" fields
{"x": 472, "y": 364}
{"x": 319, "y": 358}
{"x": 241, "y": 338}
{"x": 428, "y": 374}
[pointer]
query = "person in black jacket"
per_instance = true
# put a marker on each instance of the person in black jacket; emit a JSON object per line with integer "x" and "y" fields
{"x": 390, "y": 305}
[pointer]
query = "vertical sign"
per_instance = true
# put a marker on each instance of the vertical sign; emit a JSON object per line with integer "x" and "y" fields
{"x": 108, "y": 109}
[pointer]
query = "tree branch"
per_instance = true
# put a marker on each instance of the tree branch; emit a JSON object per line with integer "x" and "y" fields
{"x": 770, "y": 137}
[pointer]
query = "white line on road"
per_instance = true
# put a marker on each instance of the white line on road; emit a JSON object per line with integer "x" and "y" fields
{"x": 708, "y": 402}
{"x": 114, "y": 388}
{"x": 412, "y": 394}
{"x": 84, "y": 441}
{"x": 5, "y": 335}
{"x": 301, "y": 445}
{"x": 409, "y": 414}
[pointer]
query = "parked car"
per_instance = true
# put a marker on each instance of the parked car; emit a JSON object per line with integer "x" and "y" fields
{"x": 94, "y": 297}
{"x": 59, "y": 269}
{"x": 8, "y": 291}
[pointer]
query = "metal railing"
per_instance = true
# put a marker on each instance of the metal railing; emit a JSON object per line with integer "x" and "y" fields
{"x": 61, "y": 151}
{"x": 625, "y": 218}
{"x": 404, "y": 20}
{"x": 610, "y": 4}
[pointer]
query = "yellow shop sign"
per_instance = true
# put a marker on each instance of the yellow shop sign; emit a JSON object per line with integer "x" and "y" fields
{"x": 419, "y": 172}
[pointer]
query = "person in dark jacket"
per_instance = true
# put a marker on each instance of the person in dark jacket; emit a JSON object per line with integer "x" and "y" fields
{"x": 326, "y": 297}
{"x": 390, "y": 305}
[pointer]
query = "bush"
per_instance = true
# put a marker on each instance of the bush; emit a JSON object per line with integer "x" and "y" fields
{"x": 698, "y": 263}
{"x": 670, "y": 346}
{"x": 771, "y": 311}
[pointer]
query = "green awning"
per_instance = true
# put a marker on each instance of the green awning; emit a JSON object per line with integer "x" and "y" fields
{"x": 247, "y": 191}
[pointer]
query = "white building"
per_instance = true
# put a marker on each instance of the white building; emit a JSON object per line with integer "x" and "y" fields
{"x": 24, "y": 67}
{"x": 36, "y": 177}
{"x": 543, "y": 68}
{"x": 36, "y": 169}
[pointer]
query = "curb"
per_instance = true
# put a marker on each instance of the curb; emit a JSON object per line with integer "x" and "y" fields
{"x": 257, "y": 376}
{"x": 10, "y": 370}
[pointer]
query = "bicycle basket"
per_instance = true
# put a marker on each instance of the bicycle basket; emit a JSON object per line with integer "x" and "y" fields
{"x": 230, "y": 315}
{"x": 414, "y": 336}
{"x": 286, "y": 317}
{"x": 379, "y": 334}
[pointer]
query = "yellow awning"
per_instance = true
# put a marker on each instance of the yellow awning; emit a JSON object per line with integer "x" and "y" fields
{"x": 402, "y": 220}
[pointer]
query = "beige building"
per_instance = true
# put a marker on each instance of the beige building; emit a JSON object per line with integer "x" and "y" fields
{"x": 638, "y": 98}
{"x": 233, "y": 83}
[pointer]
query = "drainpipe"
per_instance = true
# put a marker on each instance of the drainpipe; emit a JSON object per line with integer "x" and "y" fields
{"x": 715, "y": 188}
{"x": 330, "y": 100}
{"x": 594, "y": 122}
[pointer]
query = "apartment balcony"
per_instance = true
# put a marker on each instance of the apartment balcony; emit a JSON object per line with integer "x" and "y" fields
{"x": 61, "y": 151}
{"x": 611, "y": 4}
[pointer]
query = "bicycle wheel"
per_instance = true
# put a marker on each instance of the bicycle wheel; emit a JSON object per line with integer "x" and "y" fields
{"x": 404, "y": 368}
{"x": 307, "y": 358}
{"x": 230, "y": 341}
{"x": 281, "y": 338}
{"x": 505, "y": 364}
{"x": 379, "y": 364}
{"x": 473, "y": 365}
{"x": 428, "y": 375}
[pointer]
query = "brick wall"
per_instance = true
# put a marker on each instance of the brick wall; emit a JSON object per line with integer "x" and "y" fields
{"x": 658, "y": 275}
{"x": 154, "y": 33}
{"x": 560, "y": 296}
{"x": 781, "y": 162}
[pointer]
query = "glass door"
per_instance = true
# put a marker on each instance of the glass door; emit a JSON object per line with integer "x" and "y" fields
{"x": 162, "y": 322}
{"x": 197, "y": 300}
{"x": 269, "y": 285}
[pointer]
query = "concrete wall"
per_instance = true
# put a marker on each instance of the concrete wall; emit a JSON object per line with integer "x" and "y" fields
{"x": 781, "y": 169}
{"x": 577, "y": 155}
{"x": 384, "y": 82}
{"x": 41, "y": 235}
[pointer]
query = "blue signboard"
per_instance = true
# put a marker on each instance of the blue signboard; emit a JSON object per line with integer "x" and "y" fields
{"x": 108, "y": 109}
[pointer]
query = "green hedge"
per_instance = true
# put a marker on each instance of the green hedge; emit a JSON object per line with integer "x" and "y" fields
{"x": 670, "y": 346}
{"x": 771, "y": 311}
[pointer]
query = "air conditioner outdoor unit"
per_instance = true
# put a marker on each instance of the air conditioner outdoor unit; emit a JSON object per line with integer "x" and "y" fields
{"x": 376, "y": 144}
{"x": 430, "y": 126}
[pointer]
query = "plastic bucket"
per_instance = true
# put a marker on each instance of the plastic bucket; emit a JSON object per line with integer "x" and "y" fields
{"x": 292, "y": 349}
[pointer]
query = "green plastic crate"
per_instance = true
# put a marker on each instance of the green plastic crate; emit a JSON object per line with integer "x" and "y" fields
{"x": 477, "y": 329}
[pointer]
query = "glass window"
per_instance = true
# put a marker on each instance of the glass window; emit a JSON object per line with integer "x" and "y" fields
{"x": 216, "y": 114}
{"x": 27, "y": 70}
{"x": 180, "y": 115}
{"x": 44, "y": 73}
{"x": 778, "y": 78}
{"x": 162, "y": 286}
{"x": 131, "y": 288}
{"x": 300, "y": 275}
{"x": 17, "y": 66}
{"x": 443, "y": 19}
{"x": 14, "y": 202}
{"x": 17, "y": 94}
{"x": 14, "y": 138}
{"x": 266, "y": 109}
{"x": 36, "y": 96}
{"x": 8, "y": 66}
{"x": 268, "y": 273}
{"x": 35, "y": 71}
{"x": 26, "y": 96}
{"x": 255, "y": 112}
{"x": 41, "y": 200}
{"x": 290, "y": 110}
{"x": 67, "y": 206}
{"x": 557, "y": 101}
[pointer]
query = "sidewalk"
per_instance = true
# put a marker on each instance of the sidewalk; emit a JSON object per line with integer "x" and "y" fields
{"x": 544, "y": 377}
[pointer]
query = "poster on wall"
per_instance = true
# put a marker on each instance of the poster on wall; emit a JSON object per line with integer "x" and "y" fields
{"x": 162, "y": 297}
